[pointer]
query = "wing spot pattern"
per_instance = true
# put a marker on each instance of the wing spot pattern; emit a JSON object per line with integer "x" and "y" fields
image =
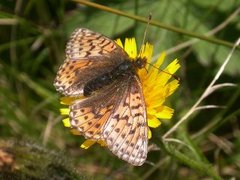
{"x": 90, "y": 123}
{"x": 123, "y": 135}
{"x": 132, "y": 131}
{"x": 97, "y": 125}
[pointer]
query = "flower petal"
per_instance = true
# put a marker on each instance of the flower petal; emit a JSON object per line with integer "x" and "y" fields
{"x": 149, "y": 133}
{"x": 164, "y": 112}
{"x": 153, "y": 122}
{"x": 69, "y": 100}
{"x": 173, "y": 66}
{"x": 102, "y": 143}
{"x": 130, "y": 47}
{"x": 119, "y": 42}
{"x": 160, "y": 59}
{"x": 64, "y": 111}
{"x": 66, "y": 122}
{"x": 88, "y": 143}
{"x": 75, "y": 132}
{"x": 173, "y": 85}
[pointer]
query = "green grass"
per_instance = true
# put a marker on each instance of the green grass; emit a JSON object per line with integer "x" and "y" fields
{"x": 206, "y": 145}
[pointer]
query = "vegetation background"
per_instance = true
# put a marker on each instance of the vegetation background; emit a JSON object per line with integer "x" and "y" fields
{"x": 33, "y": 34}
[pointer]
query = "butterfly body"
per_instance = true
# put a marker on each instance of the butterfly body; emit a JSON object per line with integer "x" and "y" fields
{"x": 113, "y": 109}
{"x": 126, "y": 68}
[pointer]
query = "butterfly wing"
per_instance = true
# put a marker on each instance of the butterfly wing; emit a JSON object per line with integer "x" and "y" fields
{"x": 116, "y": 115}
{"x": 88, "y": 55}
{"x": 90, "y": 114}
{"x": 85, "y": 43}
{"x": 126, "y": 133}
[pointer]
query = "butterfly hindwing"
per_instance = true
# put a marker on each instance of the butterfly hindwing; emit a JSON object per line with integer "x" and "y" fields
{"x": 126, "y": 132}
{"x": 121, "y": 123}
{"x": 89, "y": 115}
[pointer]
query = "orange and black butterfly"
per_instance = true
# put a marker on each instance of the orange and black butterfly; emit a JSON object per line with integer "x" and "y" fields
{"x": 113, "y": 109}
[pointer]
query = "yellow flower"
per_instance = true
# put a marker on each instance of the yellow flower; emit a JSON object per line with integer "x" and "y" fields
{"x": 155, "y": 84}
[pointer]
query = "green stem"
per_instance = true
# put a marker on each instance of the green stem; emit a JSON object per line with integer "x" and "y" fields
{"x": 156, "y": 23}
{"x": 203, "y": 167}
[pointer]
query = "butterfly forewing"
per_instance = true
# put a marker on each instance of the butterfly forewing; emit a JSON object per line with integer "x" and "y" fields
{"x": 85, "y": 43}
{"x": 73, "y": 75}
{"x": 67, "y": 80}
{"x": 88, "y": 55}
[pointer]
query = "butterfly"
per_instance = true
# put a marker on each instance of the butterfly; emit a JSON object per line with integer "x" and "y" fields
{"x": 113, "y": 108}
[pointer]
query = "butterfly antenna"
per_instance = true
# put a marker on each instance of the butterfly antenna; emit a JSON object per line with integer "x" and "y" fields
{"x": 145, "y": 32}
{"x": 143, "y": 41}
{"x": 174, "y": 76}
{"x": 146, "y": 69}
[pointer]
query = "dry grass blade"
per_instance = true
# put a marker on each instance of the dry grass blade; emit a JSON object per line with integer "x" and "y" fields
{"x": 210, "y": 33}
{"x": 208, "y": 90}
{"x": 208, "y": 107}
{"x": 218, "y": 86}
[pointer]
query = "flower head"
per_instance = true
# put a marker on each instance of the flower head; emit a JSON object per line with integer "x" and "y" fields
{"x": 155, "y": 84}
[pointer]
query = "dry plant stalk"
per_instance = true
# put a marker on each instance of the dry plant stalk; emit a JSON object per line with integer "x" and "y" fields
{"x": 210, "y": 89}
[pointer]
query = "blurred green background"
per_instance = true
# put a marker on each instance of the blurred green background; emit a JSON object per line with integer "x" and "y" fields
{"x": 33, "y": 34}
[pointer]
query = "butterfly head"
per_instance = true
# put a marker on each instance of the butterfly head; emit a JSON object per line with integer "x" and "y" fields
{"x": 140, "y": 62}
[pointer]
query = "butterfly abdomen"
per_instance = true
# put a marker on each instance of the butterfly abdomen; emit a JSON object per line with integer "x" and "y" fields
{"x": 123, "y": 69}
{"x": 97, "y": 83}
